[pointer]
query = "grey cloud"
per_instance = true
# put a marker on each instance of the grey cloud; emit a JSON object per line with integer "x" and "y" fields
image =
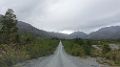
{"x": 58, "y": 15}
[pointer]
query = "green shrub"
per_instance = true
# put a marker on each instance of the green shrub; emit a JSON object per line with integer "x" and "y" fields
{"x": 77, "y": 50}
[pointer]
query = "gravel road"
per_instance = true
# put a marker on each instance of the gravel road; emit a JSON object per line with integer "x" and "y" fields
{"x": 60, "y": 59}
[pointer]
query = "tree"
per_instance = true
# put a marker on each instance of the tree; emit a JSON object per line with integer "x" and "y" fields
{"x": 8, "y": 32}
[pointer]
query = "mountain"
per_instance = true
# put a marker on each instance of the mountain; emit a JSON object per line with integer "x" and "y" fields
{"x": 27, "y": 28}
{"x": 78, "y": 35}
{"x": 112, "y": 32}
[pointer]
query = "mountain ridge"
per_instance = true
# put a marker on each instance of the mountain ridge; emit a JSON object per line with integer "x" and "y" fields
{"x": 112, "y": 32}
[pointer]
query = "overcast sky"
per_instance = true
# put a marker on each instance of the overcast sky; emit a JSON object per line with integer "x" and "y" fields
{"x": 65, "y": 16}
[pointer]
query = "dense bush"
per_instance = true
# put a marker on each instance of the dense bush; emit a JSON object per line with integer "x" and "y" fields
{"x": 42, "y": 47}
{"x": 73, "y": 49}
{"x": 77, "y": 47}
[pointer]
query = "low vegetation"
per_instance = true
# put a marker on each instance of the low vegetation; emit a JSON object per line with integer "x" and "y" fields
{"x": 12, "y": 54}
{"x": 83, "y": 48}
